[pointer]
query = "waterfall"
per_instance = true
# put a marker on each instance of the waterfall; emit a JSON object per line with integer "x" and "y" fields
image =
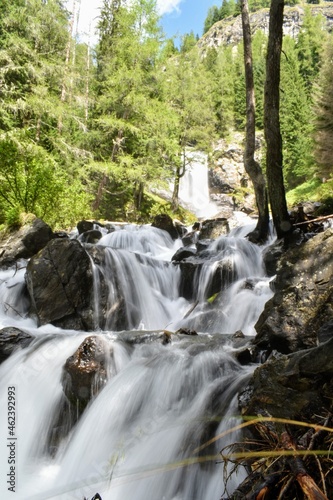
{"x": 194, "y": 189}
{"x": 153, "y": 430}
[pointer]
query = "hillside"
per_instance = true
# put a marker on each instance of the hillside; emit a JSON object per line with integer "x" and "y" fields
{"x": 229, "y": 30}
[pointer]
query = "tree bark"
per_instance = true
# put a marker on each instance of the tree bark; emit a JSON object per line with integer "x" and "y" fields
{"x": 274, "y": 157}
{"x": 252, "y": 167}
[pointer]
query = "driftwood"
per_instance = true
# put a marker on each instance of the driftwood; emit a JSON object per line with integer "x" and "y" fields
{"x": 318, "y": 219}
{"x": 278, "y": 476}
{"x": 308, "y": 485}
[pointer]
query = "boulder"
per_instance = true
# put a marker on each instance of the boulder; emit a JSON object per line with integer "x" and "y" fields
{"x": 213, "y": 228}
{"x": 183, "y": 253}
{"x": 60, "y": 284}
{"x": 87, "y": 225}
{"x": 294, "y": 386}
{"x": 85, "y": 372}
{"x": 92, "y": 236}
{"x": 24, "y": 243}
{"x": 11, "y": 339}
{"x": 303, "y": 300}
{"x": 164, "y": 221}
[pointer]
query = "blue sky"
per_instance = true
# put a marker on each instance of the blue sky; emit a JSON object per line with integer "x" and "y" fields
{"x": 177, "y": 16}
{"x": 185, "y": 16}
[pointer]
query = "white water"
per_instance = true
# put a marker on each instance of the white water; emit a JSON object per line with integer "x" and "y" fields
{"x": 139, "y": 436}
{"x": 193, "y": 188}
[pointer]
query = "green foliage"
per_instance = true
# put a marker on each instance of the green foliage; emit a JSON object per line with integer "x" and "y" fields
{"x": 313, "y": 190}
{"x": 295, "y": 118}
{"x": 309, "y": 46}
{"x": 323, "y": 109}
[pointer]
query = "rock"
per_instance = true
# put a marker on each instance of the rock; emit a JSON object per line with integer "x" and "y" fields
{"x": 60, "y": 284}
{"x": 183, "y": 253}
{"x": 185, "y": 331}
{"x": 213, "y": 228}
{"x": 325, "y": 333}
{"x": 11, "y": 339}
{"x": 229, "y": 30}
{"x": 303, "y": 300}
{"x": 293, "y": 386}
{"x": 87, "y": 225}
{"x": 24, "y": 243}
{"x": 85, "y": 372}
{"x": 164, "y": 221}
{"x": 190, "y": 238}
{"x": 92, "y": 236}
{"x": 181, "y": 229}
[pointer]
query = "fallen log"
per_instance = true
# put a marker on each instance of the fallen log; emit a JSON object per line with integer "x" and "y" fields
{"x": 308, "y": 485}
{"x": 318, "y": 219}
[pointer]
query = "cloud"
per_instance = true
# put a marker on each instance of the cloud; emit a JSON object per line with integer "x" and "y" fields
{"x": 167, "y": 6}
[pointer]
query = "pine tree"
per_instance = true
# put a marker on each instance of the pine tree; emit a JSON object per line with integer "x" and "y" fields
{"x": 296, "y": 119}
{"x": 33, "y": 42}
{"x": 188, "y": 92}
{"x": 130, "y": 126}
{"x": 324, "y": 112}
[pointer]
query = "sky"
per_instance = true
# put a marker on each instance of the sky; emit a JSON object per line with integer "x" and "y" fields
{"x": 177, "y": 16}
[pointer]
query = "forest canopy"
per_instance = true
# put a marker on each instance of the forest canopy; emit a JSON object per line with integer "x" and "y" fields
{"x": 90, "y": 131}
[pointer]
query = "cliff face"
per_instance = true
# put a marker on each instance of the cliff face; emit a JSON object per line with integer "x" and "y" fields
{"x": 229, "y": 30}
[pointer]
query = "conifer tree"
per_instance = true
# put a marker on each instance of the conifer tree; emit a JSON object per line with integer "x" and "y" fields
{"x": 35, "y": 163}
{"x": 188, "y": 92}
{"x": 129, "y": 129}
{"x": 324, "y": 113}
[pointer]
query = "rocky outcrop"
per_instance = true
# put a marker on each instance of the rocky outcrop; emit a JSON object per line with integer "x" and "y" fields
{"x": 303, "y": 300}
{"x": 229, "y": 31}
{"x": 164, "y": 221}
{"x": 85, "y": 372}
{"x": 24, "y": 243}
{"x": 11, "y": 339}
{"x": 213, "y": 228}
{"x": 60, "y": 284}
{"x": 291, "y": 386}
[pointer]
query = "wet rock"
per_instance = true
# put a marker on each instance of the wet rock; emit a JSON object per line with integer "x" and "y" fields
{"x": 24, "y": 243}
{"x": 181, "y": 229}
{"x": 303, "y": 300}
{"x": 213, "y": 228}
{"x": 92, "y": 236}
{"x": 87, "y": 225}
{"x": 11, "y": 339}
{"x": 190, "y": 238}
{"x": 164, "y": 221}
{"x": 325, "y": 333}
{"x": 202, "y": 245}
{"x": 185, "y": 331}
{"x": 294, "y": 386}
{"x": 190, "y": 269}
{"x": 183, "y": 253}
{"x": 85, "y": 373}
{"x": 60, "y": 284}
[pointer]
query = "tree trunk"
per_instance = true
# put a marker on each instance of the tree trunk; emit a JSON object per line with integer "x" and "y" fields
{"x": 252, "y": 167}
{"x": 175, "y": 193}
{"x": 274, "y": 158}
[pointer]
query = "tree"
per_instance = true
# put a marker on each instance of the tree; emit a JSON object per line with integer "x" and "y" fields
{"x": 252, "y": 167}
{"x": 296, "y": 117}
{"x": 274, "y": 157}
{"x": 188, "y": 92}
{"x": 324, "y": 112}
{"x": 32, "y": 53}
{"x": 131, "y": 127}
{"x": 309, "y": 46}
{"x": 213, "y": 16}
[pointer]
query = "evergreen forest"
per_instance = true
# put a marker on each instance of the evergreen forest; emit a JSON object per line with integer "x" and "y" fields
{"x": 91, "y": 130}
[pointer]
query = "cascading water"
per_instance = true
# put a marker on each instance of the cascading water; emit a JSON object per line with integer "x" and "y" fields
{"x": 145, "y": 435}
{"x": 194, "y": 189}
